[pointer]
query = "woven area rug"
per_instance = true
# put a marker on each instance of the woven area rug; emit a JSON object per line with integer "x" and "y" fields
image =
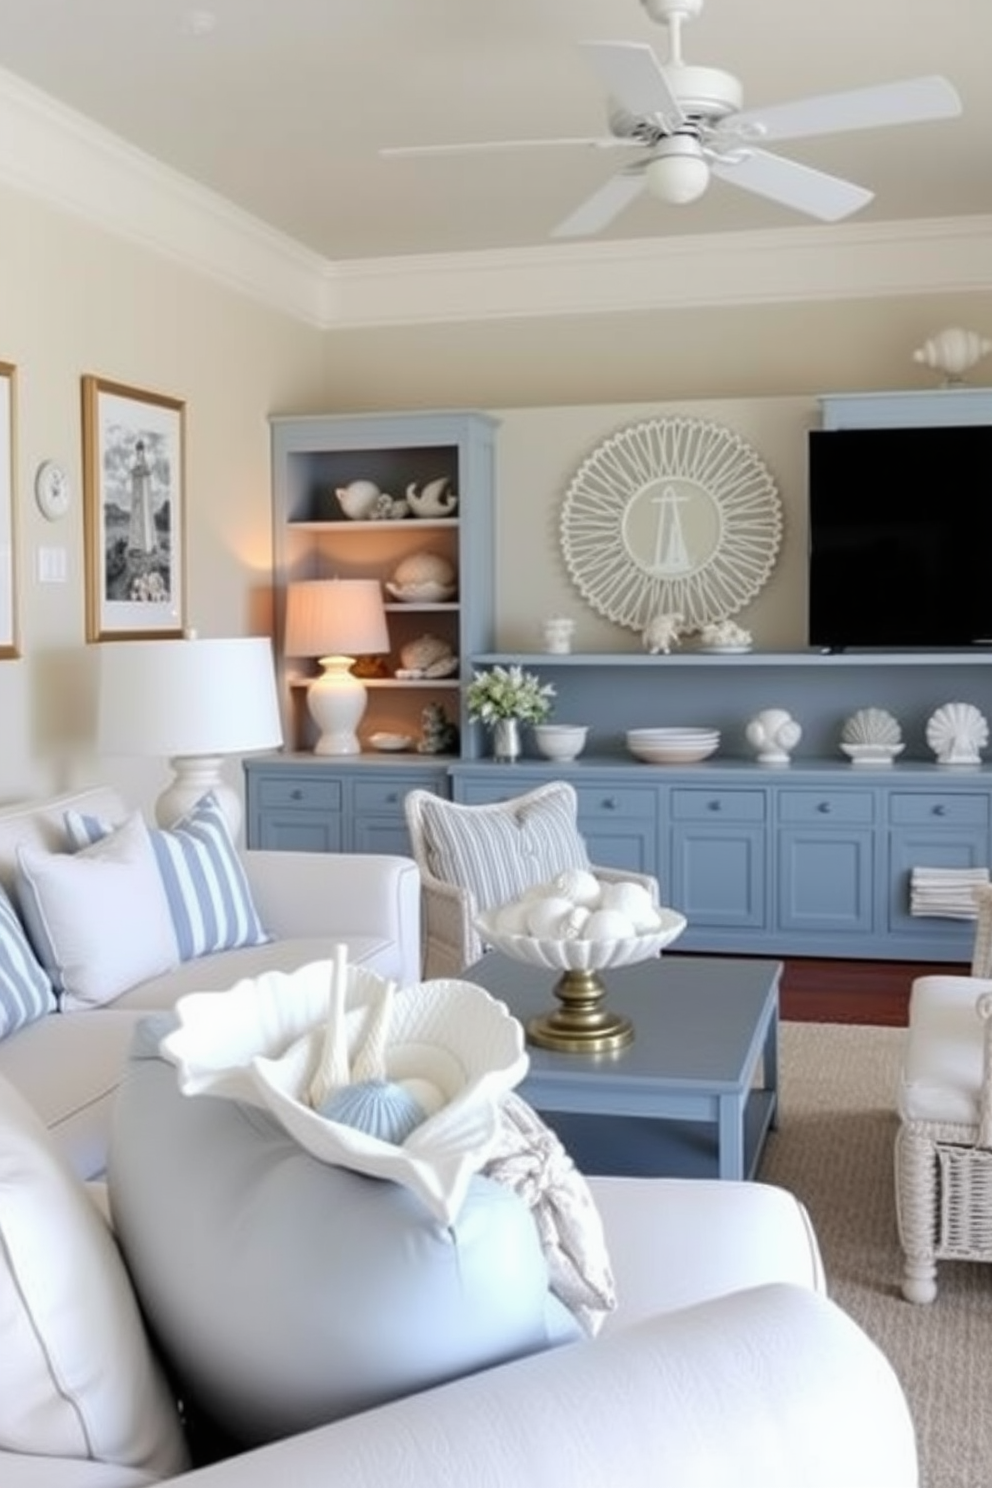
{"x": 834, "y": 1150}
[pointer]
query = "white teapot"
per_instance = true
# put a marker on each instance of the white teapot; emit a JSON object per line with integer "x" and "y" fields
{"x": 363, "y": 501}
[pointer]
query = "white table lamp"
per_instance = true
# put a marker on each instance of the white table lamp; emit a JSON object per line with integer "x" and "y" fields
{"x": 194, "y": 701}
{"x": 336, "y": 620}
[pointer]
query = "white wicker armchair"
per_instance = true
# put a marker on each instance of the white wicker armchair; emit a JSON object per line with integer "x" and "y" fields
{"x": 472, "y": 858}
{"x": 943, "y": 1152}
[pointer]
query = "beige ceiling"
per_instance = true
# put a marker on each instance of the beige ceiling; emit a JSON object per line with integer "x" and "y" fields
{"x": 282, "y": 106}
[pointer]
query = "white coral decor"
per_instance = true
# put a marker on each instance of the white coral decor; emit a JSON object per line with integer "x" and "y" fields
{"x": 451, "y": 1044}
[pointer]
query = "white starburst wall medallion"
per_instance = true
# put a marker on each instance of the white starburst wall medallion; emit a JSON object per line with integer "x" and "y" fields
{"x": 671, "y": 516}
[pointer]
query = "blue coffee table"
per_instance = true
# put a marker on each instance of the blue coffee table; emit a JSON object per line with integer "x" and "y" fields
{"x": 696, "y": 1092}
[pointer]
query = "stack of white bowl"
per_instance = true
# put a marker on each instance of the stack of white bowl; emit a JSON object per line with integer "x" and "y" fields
{"x": 673, "y": 746}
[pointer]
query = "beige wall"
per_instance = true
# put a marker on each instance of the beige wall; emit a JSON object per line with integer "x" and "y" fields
{"x": 76, "y": 301}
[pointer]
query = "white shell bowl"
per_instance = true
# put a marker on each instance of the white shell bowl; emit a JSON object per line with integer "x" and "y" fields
{"x": 584, "y": 955}
{"x": 560, "y": 741}
{"x": 260, "y": 1042}
{"x": 391, "y": 743}
{"x": 872, "y": 754}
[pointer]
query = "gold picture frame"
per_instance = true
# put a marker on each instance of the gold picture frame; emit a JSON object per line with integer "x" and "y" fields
{"x": 134, "y": 512}
{"x": 9, "y": 644}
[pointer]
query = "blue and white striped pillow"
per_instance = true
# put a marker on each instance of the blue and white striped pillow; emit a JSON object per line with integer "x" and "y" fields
{"x": 25, "y": 989}
{"x": 206, "y": 886}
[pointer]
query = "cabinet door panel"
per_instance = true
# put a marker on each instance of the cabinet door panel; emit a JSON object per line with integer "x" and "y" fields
{"x": 961, "y": 847}
{"x": 298, "y": 832}
{"x": 826, "y": 881}
{"x": 718, "y": 876}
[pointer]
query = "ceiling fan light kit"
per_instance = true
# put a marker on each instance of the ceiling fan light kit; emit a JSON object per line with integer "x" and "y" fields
{"x": 679, "y": 174}
{"x": 688, "y": 124}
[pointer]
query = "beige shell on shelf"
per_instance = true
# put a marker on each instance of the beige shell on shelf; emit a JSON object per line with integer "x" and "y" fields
{"x": 957, "y": 733}
{"x": 871, "y": 726}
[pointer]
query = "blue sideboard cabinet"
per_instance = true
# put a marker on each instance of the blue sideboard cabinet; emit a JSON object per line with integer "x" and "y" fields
{"x": 810, "y": 859}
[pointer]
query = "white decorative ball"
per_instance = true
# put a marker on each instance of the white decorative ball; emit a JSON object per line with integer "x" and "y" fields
{"x": 579, "y": 886}
{"x": 632, "y": 900}
{"x": 549, "y": 918}
{"x": 607, "y": 924}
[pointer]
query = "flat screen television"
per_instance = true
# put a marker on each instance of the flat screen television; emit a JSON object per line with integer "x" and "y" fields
{"x": 900, "y": 537}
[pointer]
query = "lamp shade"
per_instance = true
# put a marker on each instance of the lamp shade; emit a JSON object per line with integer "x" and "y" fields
{"x": 336, "y": 620}
{"x": 188, "y": 700}
{"x": 340, "y": 617}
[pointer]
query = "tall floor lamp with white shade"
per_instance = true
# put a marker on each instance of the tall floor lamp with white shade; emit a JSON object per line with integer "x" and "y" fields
{"x": 193, "y": 701}
{"x": 336, "y": 621}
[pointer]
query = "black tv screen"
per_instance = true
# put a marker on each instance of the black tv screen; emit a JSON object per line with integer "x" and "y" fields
{"x": 900, "y": 537}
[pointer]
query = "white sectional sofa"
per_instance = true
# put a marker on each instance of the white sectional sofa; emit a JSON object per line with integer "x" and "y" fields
{"x": 724, "y": 1363}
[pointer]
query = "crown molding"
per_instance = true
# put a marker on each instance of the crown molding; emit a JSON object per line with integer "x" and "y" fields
{"x": 940, "y": 256}
{"x": 57, "y": 155}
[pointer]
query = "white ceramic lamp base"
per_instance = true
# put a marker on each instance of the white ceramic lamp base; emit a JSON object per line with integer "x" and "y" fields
{"x": 337, "y": 702}
{"x": 195, "y": 775}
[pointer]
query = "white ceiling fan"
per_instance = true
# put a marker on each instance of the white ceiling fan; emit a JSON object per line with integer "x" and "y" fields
{"x": 687, "y": 125}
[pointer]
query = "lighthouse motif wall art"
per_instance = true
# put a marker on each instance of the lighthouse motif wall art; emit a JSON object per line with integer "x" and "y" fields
{"x": 134, "y": 512}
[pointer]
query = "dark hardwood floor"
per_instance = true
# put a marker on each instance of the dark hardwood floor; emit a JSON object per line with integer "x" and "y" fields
{"x": 852, "y": 991}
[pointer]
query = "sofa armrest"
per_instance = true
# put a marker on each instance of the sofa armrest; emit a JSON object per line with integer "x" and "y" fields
{"x": 765, "y": 1388}
{"x": 317, "y": 894}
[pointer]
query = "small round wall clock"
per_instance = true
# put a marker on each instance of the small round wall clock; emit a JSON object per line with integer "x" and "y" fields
{"x": 671, "y": 516}
{"x": 52, "y": 490}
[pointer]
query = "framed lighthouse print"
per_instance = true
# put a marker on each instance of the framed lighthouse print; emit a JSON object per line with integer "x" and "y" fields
{"x": 134, "y": 503}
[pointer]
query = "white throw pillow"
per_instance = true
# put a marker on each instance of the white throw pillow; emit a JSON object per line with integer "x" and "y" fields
{"x": 99, "y": 919}
{"x": 79, "y": 1377}
{"x": 25, "y": 988}
{"x": 206, "y": 887}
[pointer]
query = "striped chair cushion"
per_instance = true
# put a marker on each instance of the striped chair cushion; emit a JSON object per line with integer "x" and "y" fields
{"x": 25, "y": 989}
{"x": 498, "y": 851}
{"x": 206, "y": 886}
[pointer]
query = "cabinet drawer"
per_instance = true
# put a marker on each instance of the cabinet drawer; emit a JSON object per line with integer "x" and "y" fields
{"x": 609, "y": 803}
{"x": 938, "y": 808}
{"x": 718, "y": 805}
{"x": 827, "y": 807}
{"x": 380, "y": 795}
{"x": 288, "y": 792}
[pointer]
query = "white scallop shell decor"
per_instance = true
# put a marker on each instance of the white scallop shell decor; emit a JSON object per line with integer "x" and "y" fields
{"x": 314, "y": 1046}
{"x": 957, "y": 733}
{"x": 871, "y": 726}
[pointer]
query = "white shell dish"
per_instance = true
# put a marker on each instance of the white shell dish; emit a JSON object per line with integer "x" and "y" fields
{"x": 957, "y": 733}
{"x": 261, "y": 1042}
{"x": 871, "y": 726}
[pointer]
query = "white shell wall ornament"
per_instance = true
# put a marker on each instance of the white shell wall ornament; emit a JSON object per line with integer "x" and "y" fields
{"x": 671, "y": 517}
{"x": 957, "y": 733}
{"x": 953, "y": 351}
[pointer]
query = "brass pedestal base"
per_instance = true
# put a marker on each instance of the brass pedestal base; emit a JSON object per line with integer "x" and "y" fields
{"x": 583, "y": 1024}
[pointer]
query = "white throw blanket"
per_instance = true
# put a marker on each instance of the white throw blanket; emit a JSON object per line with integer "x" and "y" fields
{"x": 530, "y": 1159}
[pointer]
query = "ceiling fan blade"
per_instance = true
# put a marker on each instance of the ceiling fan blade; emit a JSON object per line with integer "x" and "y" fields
{"x": 606, "y": 142}
{"x": 908, "y": 102}
{"x": 793, "y": 185}
{"x": 634, "y": 77}
{"x": 599, "y": 210}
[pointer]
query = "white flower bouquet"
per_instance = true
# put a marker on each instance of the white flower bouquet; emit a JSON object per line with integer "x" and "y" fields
{"x": 508, "y": 692}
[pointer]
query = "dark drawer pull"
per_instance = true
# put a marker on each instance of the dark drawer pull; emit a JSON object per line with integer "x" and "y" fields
{"x": 824, "y": 807}
{"x": 609, "y": 803}
{"x": 714, "y": 805}
{"x": 393, "y": 797}
{"x": 296, "y": 794}
{"x": 940, "y": 810}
